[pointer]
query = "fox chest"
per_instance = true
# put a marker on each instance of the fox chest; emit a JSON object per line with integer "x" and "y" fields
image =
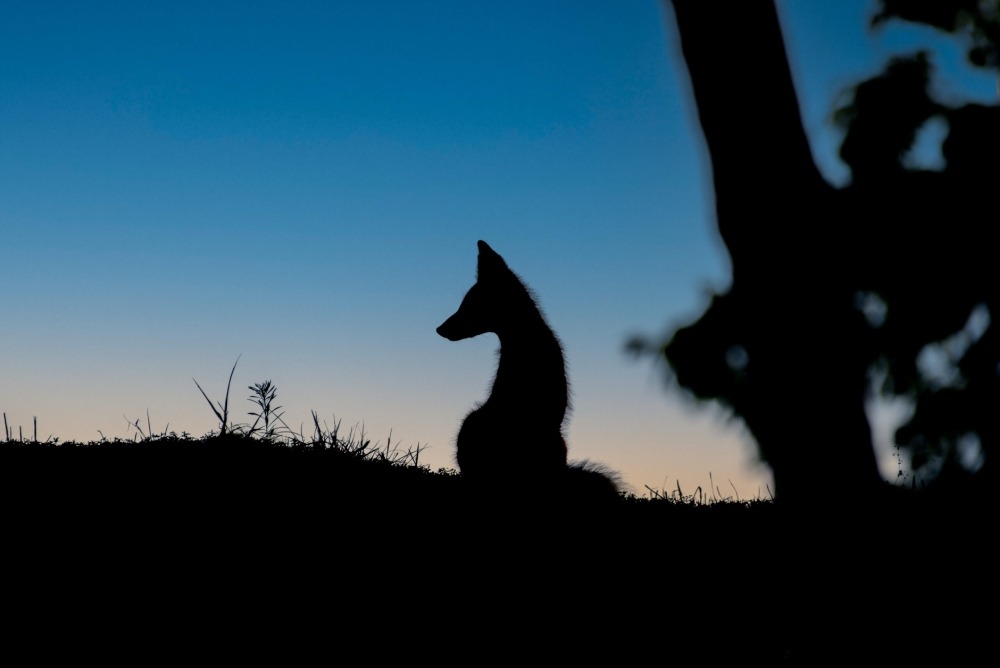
{"x": 488, "y": 434}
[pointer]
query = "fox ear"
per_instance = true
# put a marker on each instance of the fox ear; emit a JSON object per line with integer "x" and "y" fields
{"x": 489, "y": 260}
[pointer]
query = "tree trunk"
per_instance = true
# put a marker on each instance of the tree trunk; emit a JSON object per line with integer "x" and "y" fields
{"x": 793, "y": 310}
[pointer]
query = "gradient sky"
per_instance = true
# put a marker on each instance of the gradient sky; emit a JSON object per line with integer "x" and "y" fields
{"x": 303, "y": 184}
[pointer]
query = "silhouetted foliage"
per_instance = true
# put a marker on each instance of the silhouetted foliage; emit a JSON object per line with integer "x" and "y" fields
{"x": 937, "y": 344}
{"x": 890, "y": 277}
{"x": 976, "y": 21}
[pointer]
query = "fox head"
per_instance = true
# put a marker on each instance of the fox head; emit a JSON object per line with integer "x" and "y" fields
{"x": 492, "y": 304}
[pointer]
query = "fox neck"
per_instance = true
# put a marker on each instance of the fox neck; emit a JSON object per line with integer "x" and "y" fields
{"x": 531, "y": 374}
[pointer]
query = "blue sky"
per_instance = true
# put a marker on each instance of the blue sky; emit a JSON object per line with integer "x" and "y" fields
{"x": 303, "y": 184}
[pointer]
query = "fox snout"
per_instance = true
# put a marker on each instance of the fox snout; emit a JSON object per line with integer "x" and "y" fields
{"x": 448, "y": 330}
{"x": 470, "y": 319}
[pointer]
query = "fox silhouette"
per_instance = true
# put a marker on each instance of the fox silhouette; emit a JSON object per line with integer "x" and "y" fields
{"x": 529, "y": 398}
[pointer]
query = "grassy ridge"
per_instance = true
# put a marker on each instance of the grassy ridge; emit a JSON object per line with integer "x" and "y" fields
{"x": 364, "y": 549}
{"x": 332, "y": 543}
{"x": 267, "y": 457}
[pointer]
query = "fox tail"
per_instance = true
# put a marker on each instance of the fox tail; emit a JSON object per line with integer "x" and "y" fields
{"x": 594, "y": 481}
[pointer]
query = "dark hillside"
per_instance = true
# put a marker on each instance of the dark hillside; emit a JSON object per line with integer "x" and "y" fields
{"x": 258, "y": 534}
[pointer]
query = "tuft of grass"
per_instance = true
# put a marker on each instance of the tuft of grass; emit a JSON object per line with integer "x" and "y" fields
{"x": 699, "y": 497}
{"x": 263, "y": 396}
{"x": 222, "y": 412}
{"x": 141, "y": 434}
{"x": 269, "y": 426}
{"x": 357, "y": 443}
{"x": 9, "y": 433}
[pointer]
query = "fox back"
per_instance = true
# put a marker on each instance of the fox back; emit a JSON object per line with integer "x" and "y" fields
{"x": 524, "y": 413}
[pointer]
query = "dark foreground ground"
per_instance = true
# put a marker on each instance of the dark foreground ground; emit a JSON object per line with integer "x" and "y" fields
{"x": 187, "y": 552}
